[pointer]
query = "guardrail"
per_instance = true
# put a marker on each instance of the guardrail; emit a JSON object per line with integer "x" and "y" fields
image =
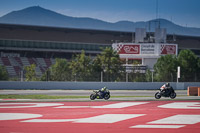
{"x": 51, "y": 85}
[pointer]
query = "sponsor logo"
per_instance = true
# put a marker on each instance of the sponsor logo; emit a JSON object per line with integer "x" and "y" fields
{"x": 130, "y": 49}
{"x": 168, "y": 49}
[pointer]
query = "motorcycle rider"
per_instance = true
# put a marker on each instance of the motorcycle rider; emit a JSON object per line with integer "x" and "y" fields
{"x": 165, "y": 88}
{"x": 102, "y": 91}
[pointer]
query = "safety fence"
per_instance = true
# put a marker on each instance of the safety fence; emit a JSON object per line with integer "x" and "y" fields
{"x": 92, "y": 85}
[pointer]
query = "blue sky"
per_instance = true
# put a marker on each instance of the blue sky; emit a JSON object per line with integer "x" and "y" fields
{"x": 182, "y": 12}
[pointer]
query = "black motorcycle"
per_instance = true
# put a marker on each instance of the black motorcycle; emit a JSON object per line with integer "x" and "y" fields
{"x": 97, "y": 95}
{"x": 169, "y": 92}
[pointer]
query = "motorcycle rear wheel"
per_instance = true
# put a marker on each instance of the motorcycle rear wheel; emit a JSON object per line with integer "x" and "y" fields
{"x": 157, "y": 95}
{"x": 172, "y": 95}
{"x": 92, "y": 97}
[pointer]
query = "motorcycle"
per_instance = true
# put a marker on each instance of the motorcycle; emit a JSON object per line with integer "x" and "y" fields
{"x": 166, "y": 93}
{"x": 96, "y": 95}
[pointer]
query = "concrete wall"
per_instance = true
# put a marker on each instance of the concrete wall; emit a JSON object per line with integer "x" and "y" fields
{"x": 92, "y": 85}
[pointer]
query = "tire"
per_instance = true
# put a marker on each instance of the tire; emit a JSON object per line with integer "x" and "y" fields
{"x": 172, "y": 95}
{"x": 92, "y": 97}
{"x": 107, "y": 96}
{"x": 157, "y": 95}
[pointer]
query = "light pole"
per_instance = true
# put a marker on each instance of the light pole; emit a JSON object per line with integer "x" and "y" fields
{"x": 101, "y": 76}
{"x": 126, "y": 70}
{"x": 75, "y": 77}
{"x": 21, "y": 74}
{"x": 152, "y": 75}
{"x": 178, "y": 73}
{"x": 126, "y": 76}
{"x": 103, "y": 70}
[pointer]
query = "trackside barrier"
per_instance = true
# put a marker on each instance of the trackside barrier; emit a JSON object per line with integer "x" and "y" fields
{"x": 199, "y": 91}
{"x": 53, "y": 85}
{"x": 193, "y": 91}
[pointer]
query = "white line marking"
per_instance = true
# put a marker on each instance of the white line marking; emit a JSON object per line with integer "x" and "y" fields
{"x": 115, "y": 105}
{"x": 108, "y": 118}
{"x": 157, "y": 126}
{"x": 178, "y": 119}
{"x": 182, "y": 105}
{"x": 60, "y": 107}
{"x": 28, "y": 105}
{"x": 50, "y": 120}
{"x": 121, "y": 105}
{"x": 15, "y": 99}
{"x": 17, "y": 116}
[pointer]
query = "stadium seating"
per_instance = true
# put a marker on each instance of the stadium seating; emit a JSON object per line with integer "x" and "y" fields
{"x": 14, "y": 65}
{"x": 48, "y": 62}
{"x": 18, "y": 60}
{"x": 6, "y": 61}
{"x": 11, "y": 70}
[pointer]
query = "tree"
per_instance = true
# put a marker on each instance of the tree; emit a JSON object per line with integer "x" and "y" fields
{"x": 30, "y": 73}
{"x": 46, "y": 75}
{"x": 136, "y": 75}
{"x": 166, "y": 68}
{"x": 139, "y": 77}
{"x": 198, "y": 70}
{"x": 188, "y": 62}
{"x": 148, "y": 75}
{"x": 3, "y": 73}
{"x": 109, "y": 63}
{"x": 80, "y": 67}
{"x": 60, "y": 71}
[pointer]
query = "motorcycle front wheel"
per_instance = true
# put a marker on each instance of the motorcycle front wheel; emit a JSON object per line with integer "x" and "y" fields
{"x": 157, "y": 95}
{"x": 107, "y": 96}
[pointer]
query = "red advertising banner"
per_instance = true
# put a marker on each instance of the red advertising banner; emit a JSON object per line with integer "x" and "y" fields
{"x": 129, "y": 49}
{"x": 167, "y": 49}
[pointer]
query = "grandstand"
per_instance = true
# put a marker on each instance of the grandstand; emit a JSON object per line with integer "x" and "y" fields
{"x": 15, "y": 65}
{"x": 22, "y": 45}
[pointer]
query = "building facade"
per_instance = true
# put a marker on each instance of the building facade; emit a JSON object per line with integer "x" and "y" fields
{"x": 22, "y": 45}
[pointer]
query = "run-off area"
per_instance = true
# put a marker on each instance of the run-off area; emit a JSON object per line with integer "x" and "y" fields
{"x": 141, "y": 116}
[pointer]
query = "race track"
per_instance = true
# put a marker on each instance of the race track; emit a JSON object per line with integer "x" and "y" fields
{"x": 98, "y": 117}
{"x": 86, "y": 92}
{"x": 127, "y": 95}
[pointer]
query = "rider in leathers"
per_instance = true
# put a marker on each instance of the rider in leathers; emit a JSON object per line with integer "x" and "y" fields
{"x": 165, "y": 88}
{"x": 102, "y": 91}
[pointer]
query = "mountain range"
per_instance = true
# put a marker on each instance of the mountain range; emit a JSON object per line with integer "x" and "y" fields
{"x": 39, "y": 16}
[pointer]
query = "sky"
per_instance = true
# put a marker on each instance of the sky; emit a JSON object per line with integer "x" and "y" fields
{"x": 181, "y": 12}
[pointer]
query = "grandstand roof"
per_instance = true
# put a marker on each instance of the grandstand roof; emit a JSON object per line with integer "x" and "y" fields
{"x": 40, "y": 36}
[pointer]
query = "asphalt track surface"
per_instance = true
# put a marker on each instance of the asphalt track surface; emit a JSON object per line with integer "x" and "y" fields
{"x": 135, "y": 95}
{"x": 87, "y": 92}
{"x": 107, "y": 117}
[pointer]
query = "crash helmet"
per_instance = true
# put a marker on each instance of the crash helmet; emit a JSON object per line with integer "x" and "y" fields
{"x": 103, "y": 89}
{"x": 167, "y": 84}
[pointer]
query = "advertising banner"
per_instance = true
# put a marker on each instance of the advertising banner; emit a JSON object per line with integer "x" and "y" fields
{"x": 168, "y": 49}
{"x": 129, "y": 49}
{"x": 148, "y": 49}
{"x": 144, "y": 50}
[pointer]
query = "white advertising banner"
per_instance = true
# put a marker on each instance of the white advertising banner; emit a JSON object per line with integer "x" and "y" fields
{"x": 148, "y": 49}
{"x": 144, "y": 50}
